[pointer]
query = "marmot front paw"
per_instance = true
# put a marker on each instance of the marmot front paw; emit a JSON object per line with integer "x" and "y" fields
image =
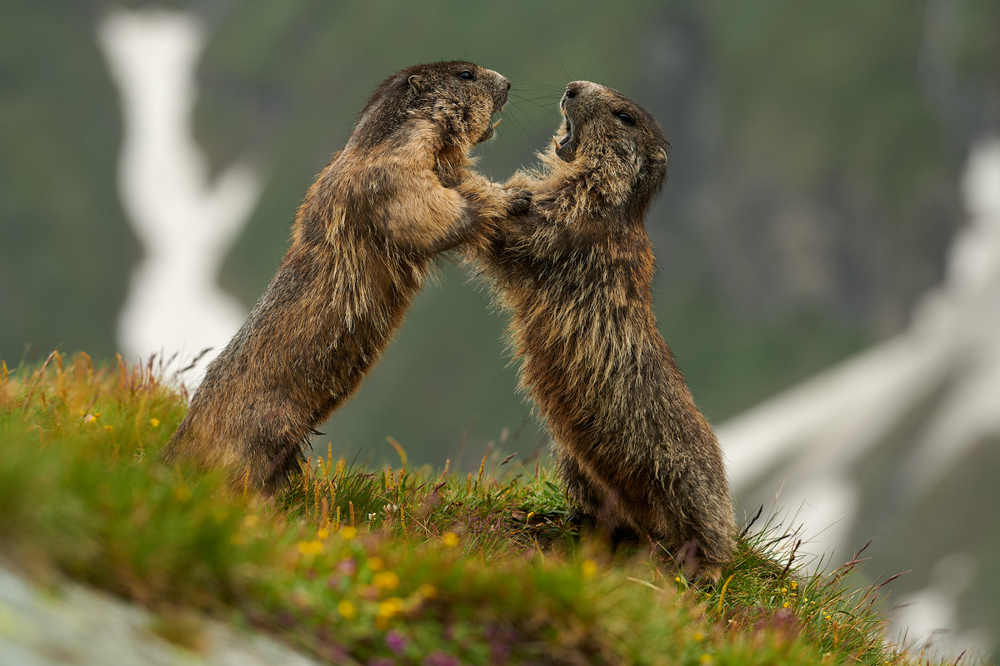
{"x": 518, "y": 201}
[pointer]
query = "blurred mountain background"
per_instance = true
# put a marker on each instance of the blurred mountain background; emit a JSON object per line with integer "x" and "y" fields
{"x": 814, "y": 192}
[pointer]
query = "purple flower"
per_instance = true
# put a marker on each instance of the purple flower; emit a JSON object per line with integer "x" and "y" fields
{"x": 396, "y": 641}
{"x": 348, "y": 566}
{"x": 438, "y": 658}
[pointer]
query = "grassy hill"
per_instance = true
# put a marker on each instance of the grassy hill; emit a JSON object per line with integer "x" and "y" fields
{"x": 354, "y": 565}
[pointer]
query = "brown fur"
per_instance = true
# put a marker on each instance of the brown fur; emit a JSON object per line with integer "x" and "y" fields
{"x": 634, "y": 451}
{"x": 363, "y": 242}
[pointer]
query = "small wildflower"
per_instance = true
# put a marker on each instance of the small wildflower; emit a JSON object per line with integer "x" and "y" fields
{"x": 109, "y": 428}
{"x": 677, "y": 579}
{"x": 588, "y": 568}
{"x": 91, "y": 418}
{"x": 323, "y": 534}
{"x": 154, "y": 422}
{"x": 450, "y": 539}
{"x": 698, "y": 636}
{"x": 705, "y": 659}
{"x": 386, "y": 580}
{"x": 348, "y": 532}
{"x": 376, "y": 563}
{"x": 794, "y": 584}
{"x": 397, "y": 642}
{"x": 427, "y": 591}
{"x": 784, "y": 590}
{"x": 784, "y": 605}
{"x": 182, "y": 494}
{"x": 348, "y": 566}
{"x": 346, "y": 610}
{"x": 310, "y": 547}
{"x": 390, "y": 607}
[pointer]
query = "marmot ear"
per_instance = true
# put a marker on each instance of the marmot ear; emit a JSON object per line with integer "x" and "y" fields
{"x": 416, "y": 82}
{"x": 660, "y": 155}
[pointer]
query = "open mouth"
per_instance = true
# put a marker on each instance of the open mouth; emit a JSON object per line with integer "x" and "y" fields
{"x": 565, "y": 145}
{"x": 488, "y": 134}
{"x": 566, "y": 138}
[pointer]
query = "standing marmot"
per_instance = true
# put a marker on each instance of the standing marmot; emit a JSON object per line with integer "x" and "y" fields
{"x": 634, "y": 451}
{"x": 395, "y": 195}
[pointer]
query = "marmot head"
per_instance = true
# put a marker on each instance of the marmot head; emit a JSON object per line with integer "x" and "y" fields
{"x": 616, "y": 144}
{"x": 459, "y": 97}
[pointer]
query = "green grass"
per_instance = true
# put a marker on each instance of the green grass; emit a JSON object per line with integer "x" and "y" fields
{"x": 357, "y": 566}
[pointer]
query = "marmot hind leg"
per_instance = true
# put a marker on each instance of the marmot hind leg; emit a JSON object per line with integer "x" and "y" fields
{"x": 275, "y": 452}
{"x": 579, "y": 487}
{"x": 597, "y": 504}
{"x": 696, "y": 516}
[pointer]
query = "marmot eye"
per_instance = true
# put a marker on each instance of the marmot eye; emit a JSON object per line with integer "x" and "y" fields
{"x": 625, "y": 118}
{"x": 466, "y": 74}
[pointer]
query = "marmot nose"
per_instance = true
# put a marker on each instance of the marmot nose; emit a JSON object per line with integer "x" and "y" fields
{"x": 507, "y": 81}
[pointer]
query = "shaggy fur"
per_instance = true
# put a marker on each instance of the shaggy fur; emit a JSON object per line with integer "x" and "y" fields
{"x": 364, "y": 240}
{"x": 634, "y": 451}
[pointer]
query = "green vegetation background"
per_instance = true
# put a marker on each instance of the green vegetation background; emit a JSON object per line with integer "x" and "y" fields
{"x": 765, "y": 102}
{"x": 775, "y": 110}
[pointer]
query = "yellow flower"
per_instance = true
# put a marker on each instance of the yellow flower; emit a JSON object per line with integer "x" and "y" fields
{"x": 90, "y": 418}
{"x": 310, "y": 547}
{"x": 588, "y": 568}
{"x": 348, "y": 532}
{"x": 154, "y": 422}
{"x": 182, "y": 494}
{"x": 386, "y": 580}
{"x": 677, "y": 579}
{"x": 784, "y": 605}
{"x": 346, "y": 610}
{"x": 427, "y": 591}
{"x": 705, "y": 659}
{"x": 450, "y": 539}
{"x": 698, "y": 636}
{"x": 794, "y": 585}
{"x": 323, "y": 534}
{"x": 376, "y": 563}
{"x": 784, "y": 589}
{"x": 390, "y": 607}
{"x": 109, "y": 428}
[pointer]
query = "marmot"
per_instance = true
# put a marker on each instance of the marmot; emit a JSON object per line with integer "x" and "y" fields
{"x": 576, "y": 271}
{"x": 363, "y": 241}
